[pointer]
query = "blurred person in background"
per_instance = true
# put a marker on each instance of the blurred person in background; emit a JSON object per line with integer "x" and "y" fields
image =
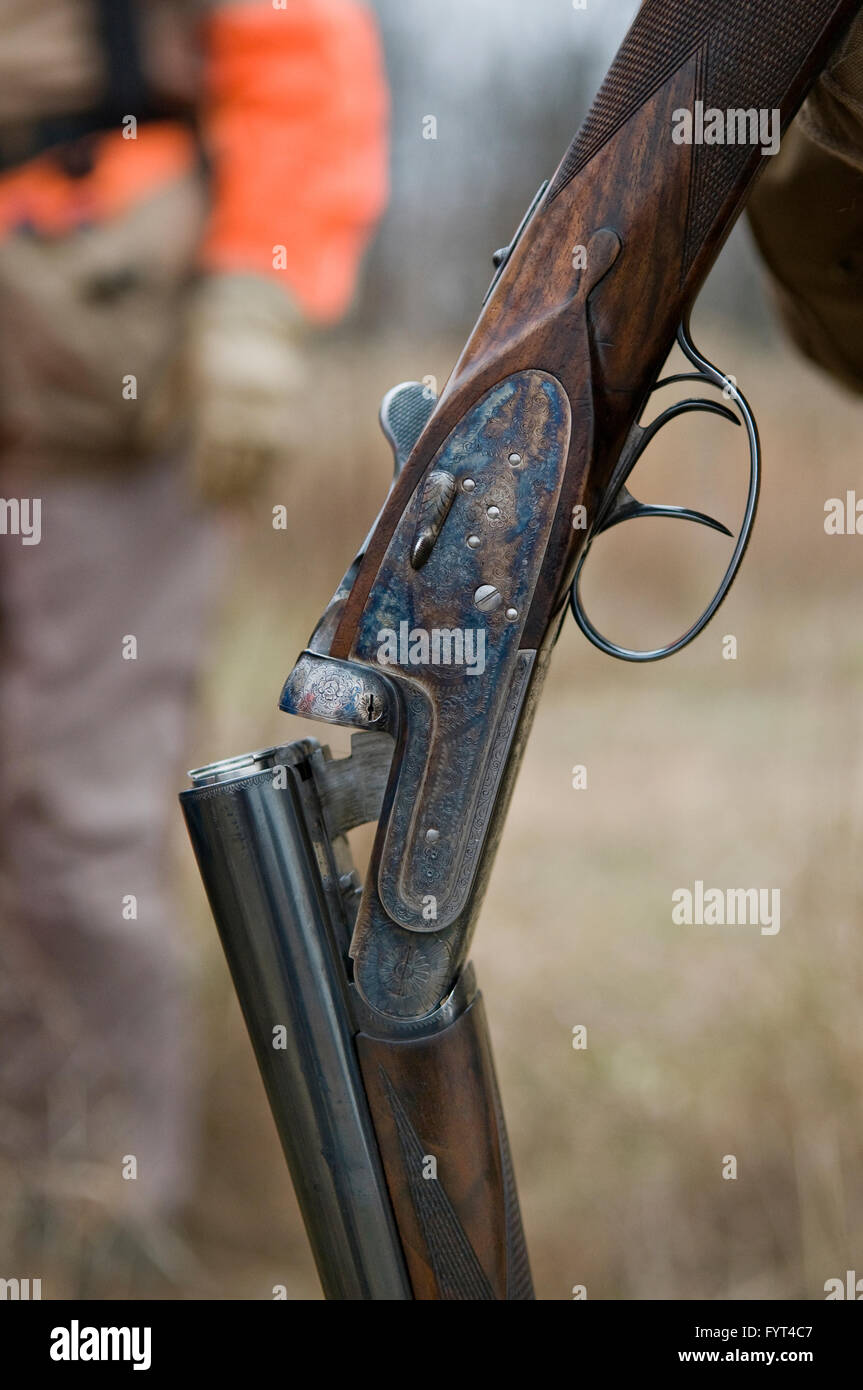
{"x": 185, "y": 187}
{"x": 807, "y": 216}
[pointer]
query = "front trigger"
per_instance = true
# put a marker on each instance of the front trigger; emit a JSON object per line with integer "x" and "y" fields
{"x": 626, "y": 508}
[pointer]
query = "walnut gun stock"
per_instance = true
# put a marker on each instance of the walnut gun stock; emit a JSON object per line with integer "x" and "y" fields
{"x": 436, "y": 643}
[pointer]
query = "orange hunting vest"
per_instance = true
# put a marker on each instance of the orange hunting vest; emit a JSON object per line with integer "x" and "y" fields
{"x": 290, "y": 106}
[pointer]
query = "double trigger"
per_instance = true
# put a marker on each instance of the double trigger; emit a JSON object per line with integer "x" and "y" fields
{"x": 618, "y": 504}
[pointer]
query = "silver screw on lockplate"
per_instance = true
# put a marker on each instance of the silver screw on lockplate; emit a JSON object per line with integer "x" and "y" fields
{"x": 487, "y": 598}
{"x": 432, "y": 835}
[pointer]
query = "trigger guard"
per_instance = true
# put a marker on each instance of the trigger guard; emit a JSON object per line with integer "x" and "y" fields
{"x": 612, "y": 515}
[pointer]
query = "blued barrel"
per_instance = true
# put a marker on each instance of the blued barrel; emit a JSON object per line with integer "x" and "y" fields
{"x": 254, "y": 824}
